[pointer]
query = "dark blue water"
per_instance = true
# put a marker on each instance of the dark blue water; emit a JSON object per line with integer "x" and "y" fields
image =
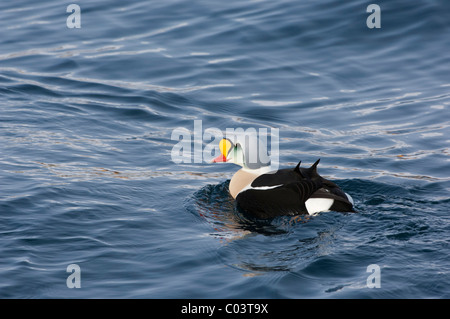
{"x": 87, "y": 178}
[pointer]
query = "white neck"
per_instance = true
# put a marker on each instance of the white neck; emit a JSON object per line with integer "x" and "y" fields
{"x": 258, "y": 171}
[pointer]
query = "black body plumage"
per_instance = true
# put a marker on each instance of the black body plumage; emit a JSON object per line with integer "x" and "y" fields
{"x": 286, "y": 191}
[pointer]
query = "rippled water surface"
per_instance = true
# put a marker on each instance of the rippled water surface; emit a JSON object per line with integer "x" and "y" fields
{"x": 87, "y": 178}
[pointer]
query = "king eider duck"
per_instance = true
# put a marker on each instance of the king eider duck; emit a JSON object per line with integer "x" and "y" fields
{"x": 265, "y": 194}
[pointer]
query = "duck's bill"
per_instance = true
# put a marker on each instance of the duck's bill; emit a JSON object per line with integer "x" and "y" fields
{"x": 219, "y": 159}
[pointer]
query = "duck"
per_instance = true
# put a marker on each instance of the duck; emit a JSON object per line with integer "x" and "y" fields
{"x": 264, "y": 193}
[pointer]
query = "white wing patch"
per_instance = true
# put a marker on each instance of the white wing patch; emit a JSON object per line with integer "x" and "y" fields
{"x": 350, "y": 199}
{"x": 317, "y": 205}
{"x": 259, "y": 188}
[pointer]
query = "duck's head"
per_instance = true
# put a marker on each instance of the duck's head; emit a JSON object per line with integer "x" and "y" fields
{"x": 246, "y": 152}
{"x": 230, "y": 152}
